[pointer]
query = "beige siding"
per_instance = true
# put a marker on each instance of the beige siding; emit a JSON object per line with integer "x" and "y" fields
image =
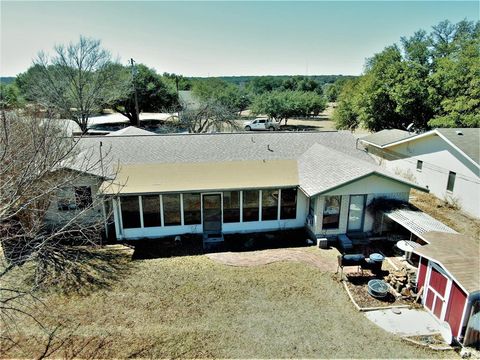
{"x": 54, "y": 216}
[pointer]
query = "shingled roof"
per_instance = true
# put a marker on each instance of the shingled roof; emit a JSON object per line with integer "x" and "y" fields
{"x": 387, "y": 136}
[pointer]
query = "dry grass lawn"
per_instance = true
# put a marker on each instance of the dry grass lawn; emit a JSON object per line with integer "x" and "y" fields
{"x": 193, "y": 307}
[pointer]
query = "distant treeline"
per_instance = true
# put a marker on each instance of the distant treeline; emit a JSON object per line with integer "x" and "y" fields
{"x": 243, "y": 80}
{"x": 7, "y": 80}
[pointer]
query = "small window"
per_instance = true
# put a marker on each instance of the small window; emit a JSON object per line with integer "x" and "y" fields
{"x": 288, "y": 204}
{"x": 192, "y": 213}
{"x": 83, "y": 197}
{"x": 331, "y": 212}
{"x": 151, "y": 210}
{"x": 419, "y": 165}
{"x": 250, "y": 205}
{"x": 269, "y": 205}
{"x": 262, "y": 121}
{"x": 231, "y": 206}
{"x": 130, "y": 212}
{"x": 451, "y": 181}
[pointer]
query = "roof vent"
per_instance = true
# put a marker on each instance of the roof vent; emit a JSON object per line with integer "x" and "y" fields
{"x": 459, "y": 132}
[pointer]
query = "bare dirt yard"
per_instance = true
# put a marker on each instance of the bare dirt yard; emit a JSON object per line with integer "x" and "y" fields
{"x": 447, "y": 214}
{"x": 194, "y": 307}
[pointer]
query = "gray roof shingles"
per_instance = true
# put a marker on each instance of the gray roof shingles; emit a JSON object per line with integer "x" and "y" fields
{"x": 467, "y": 140}
{"x": 387, "y": 136}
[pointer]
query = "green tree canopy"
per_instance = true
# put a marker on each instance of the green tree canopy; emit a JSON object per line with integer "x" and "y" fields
{"x": 430, "y": 80}
{"x": 154, "y": 93}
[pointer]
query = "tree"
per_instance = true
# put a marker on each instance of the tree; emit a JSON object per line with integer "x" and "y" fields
{"x": 232, "y": 97}
{"x": 153, "y": 93}
{"x": 282, "y": 105}
{"x": 430, "y": 80}
{"x": 209, "y": 116}
{"x": 10, "y": 97}
{"x": 78, "y": 81}
{"x": 36, "y": 162}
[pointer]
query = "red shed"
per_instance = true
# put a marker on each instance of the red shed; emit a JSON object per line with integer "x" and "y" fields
{"x": 449, "y": 272}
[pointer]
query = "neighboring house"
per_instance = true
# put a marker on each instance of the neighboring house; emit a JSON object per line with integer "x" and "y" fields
{"x": 449, "y": 273}
{"x": 176, "y": 184}
{"x": 447, "y": 161}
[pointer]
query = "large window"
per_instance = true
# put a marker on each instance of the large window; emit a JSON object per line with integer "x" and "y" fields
{"x": 451, "y": 181}
{"x": 151, "y": 210}
{"x": 83, "y": 197}
{"x": 269, "y": 204}
{"x": 288, "y": 205}
{"x": 171, "y": 209}
{"x": 331, "y": 212}
{"x": 192, "y": 213}
{"x": 231, "y": 206}
{"x": 250, "y": 205}
{"x": 130, "y": 212}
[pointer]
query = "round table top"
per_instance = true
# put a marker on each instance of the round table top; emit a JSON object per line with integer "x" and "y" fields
{"x": 376, "y": 257}
{"x": 407, "y": 245}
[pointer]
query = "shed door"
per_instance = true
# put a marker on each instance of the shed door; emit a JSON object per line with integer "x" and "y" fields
{"x": 436, "y": 293}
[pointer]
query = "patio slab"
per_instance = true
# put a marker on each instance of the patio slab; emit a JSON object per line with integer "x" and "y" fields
{"x": 409, "y": 322}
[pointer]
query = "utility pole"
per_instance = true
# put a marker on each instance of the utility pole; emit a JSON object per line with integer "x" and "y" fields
{"x": 134, "y": 70}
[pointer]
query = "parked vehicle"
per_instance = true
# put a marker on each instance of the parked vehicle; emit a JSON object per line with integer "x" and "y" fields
{"x": 261, "y": 124}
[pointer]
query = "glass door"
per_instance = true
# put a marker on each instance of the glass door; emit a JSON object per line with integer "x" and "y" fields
{"x": 212, "y": 213}
{"x": 356, "y": 212}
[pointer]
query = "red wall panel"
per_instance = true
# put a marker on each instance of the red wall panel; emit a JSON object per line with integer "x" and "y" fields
{"x": 422, "y": 272}
{"x": 456, "y": 304}
{"x": 438, "y": 281}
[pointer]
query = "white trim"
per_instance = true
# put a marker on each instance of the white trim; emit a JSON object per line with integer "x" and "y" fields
{"x": 140, "y": 209}
{"x": 279, "y": 201}
{"x": 182, "y": 220}
{"x": 437, "y": 296}
{"x": 161, "y": 211}
{"x": 465, "y": 308}
{"x": 428, "y": 133}
{"x": 260, "y": 212}
{"x": 241, "y": 205}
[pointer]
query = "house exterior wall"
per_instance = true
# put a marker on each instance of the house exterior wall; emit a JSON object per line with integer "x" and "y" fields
{"x": 55, "y": 216}
{"x": 374, "y": 186}
{"x": 456, "y": 306}
{"x": 439, "y": 158}
{"x": 240, "y": 227}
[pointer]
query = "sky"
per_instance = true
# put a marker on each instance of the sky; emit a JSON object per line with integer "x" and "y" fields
{"x": 223, "y": 37}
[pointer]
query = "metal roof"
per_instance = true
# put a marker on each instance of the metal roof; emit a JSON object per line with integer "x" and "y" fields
{"x": 457, "y": 254}
{"x": 417, "y": 222}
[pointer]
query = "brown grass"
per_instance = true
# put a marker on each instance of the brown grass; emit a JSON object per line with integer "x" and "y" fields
{"x": 447, "y": 214}
{"x": 193, "y": 307}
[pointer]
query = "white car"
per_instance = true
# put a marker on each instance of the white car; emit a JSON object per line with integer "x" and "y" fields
{"x": 261, "y": 124}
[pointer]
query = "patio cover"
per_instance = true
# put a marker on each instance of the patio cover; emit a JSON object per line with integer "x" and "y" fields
{"x": 211, "y": 176}
{"x": 417, "y": 222}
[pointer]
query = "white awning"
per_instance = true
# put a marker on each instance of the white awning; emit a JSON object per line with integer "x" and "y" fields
{"x": 417, "y": 222}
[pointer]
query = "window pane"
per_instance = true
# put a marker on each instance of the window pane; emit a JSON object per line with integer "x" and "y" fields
{"x": 451, "y": 180}
{"x": 171, "y": 209}
{"x": 151, "y": 210}
{"x": 331, "y": 212}
{"x": 288, "y": 204}
{"x": 250, "y": 205}
{"x": 192, "y": 213}
{"x": 269, "y": 204}
{"x": 130, "y": 212}
{"x": 83, "y": 196}
{"x": 419, "y": 165}
{"x": 231, "y": 206}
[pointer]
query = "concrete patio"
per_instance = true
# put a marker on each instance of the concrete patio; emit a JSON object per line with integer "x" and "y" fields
{"x": 409, "y": 322}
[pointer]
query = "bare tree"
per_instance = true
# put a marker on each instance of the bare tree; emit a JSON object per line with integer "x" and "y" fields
{"x": 206, "y": 117}
{"x": 37, "y": 163}
{"x": 77, "y": 81}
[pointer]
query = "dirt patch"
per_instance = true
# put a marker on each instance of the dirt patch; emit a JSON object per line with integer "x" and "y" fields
{"x": 447, "y": 214}
{"x": 357, "y": 284}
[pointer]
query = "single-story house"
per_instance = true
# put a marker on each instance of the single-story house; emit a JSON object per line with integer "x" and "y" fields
{"x": 449, "y": 273}
{"x": 165, "y": 185}
{"x": 446, "y": 160}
